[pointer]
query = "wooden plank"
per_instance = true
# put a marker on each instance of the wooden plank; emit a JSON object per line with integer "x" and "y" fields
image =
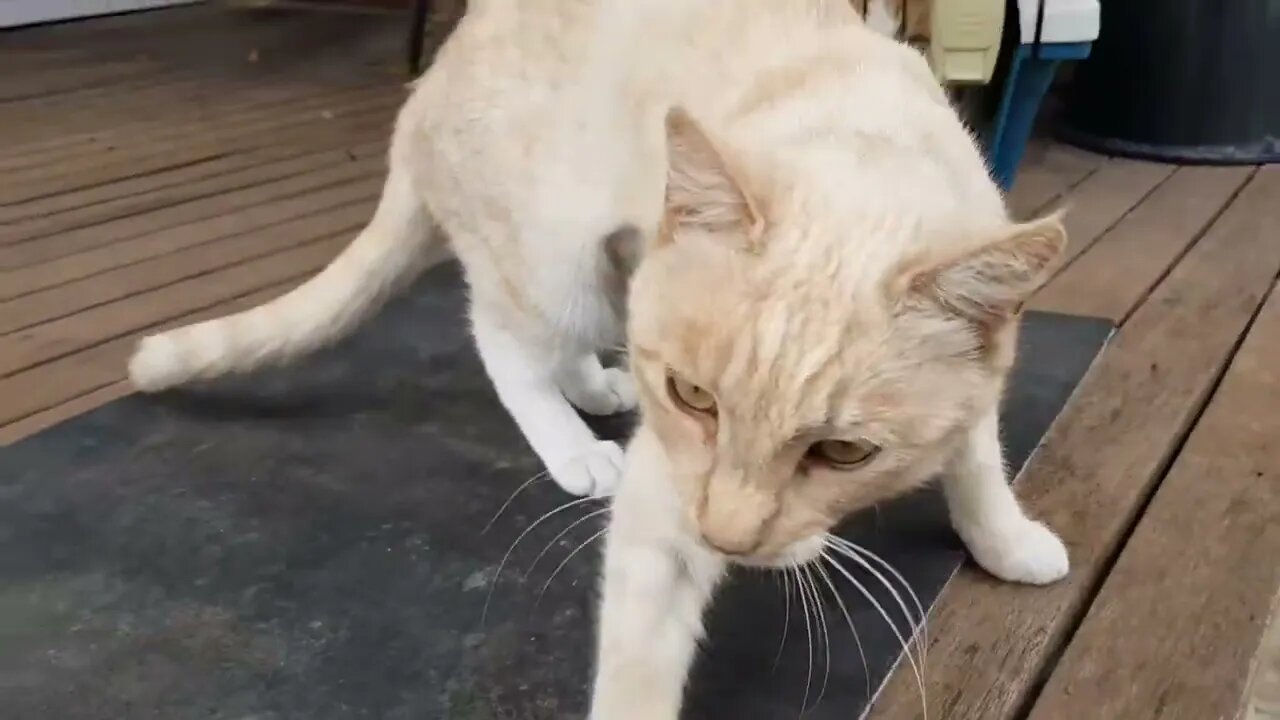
{"x": 349, "y": 125}
{"x": 1047, "y": 173}
{"x": 221, "y": 69}
{"x": 219, "y": 206}
{"x": 173, "y": 110}
{"x": 45, "y": 136}
{"x": 991, "y": 641}
{"x": 180, "y": 96}
{"x": 106, "y": 163}
{"x": 1117, "y": 272}
{"x": 223, "y": 63}
{"x": 1264, "y": 688}
{"x": 294, "y": 52}
{"x": 67, "y": 211}
{"x": 1203, "y": 562}
{"x": 217, "y": 113}
{"x": 103, "y": 203}
{"x": 80, "y": 208}
{"x": 129, "y": 99}
{"x": 1105, "y": 197}
{"x": 43, "y": 343}
{"x": 45, "y": 419}
{"x": 78, "y": 383}
{"x": 54, "y": 81}
{"x": 166, "y": 36}
{"x": 98, "y": 99}
{"x": 271, "y": 216}
{"x": 67, "y": 299}
{"x": 28, "y": 60}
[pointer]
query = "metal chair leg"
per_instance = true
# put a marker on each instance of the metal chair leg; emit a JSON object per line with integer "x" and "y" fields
{"x": 417, "y": 33}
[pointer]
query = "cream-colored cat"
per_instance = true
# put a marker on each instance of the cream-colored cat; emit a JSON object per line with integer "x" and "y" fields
{"x": 822, "y": 316}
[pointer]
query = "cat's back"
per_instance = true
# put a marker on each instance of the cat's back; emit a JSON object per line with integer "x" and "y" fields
{"x": 505, "y": 53}
{"x": 810, "y": 84}
{"x": 514, "y": 53}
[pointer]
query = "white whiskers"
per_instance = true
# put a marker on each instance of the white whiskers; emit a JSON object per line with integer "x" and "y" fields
{"x": 821, "y": 614}
{"x": 857, "y": 640}
{"x": 546, "y": 516}
{"x": 569, "y": 557}
{"x": 523, "y": 486}
{"x": 856, "y": 553}
{"x": 786, "y": 617}
{"x": 566, "y": 531}
{"x": 847, "y": 549}
{"x": 808, "y": 631}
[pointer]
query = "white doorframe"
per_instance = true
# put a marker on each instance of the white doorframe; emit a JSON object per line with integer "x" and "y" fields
{"x": 27, "y": 12}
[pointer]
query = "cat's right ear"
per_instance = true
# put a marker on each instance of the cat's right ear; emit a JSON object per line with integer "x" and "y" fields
{"x": 702, "y": 192}
{"x": 989, "y": 283}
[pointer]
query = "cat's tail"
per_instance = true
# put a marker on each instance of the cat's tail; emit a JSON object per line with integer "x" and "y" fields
{"x": 397, "y": 244}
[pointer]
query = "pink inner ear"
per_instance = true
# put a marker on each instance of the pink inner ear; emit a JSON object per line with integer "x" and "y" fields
{"x": 990, "y": 283}
{"x": 702, "y": 191}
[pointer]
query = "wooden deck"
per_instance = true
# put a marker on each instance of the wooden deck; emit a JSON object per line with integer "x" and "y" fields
{"x": 161, "y": 168}
{"x": 173, "y": 165}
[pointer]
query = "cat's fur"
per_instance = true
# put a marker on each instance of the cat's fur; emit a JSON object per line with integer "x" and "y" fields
{"x": 822, "y": 250}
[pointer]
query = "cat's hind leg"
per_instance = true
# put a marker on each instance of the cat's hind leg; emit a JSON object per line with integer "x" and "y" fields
{"x": 987, "y": 517}
{"x": 528, "y": 381}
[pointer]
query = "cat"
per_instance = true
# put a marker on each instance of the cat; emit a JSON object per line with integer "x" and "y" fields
{"x": 824, "y": 321}
{"x": 818, "y": 281}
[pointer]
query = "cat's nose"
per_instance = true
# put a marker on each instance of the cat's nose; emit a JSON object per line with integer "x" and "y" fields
{"x": 734, "y": 515}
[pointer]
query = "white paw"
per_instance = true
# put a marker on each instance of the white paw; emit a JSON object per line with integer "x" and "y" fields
{"x": 597, "y": 471}
{"x": 1020, "y": 550}
{"x": 617, "y": 394}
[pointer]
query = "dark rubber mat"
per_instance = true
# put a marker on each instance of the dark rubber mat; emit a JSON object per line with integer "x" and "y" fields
{"x": 310, "y": 544}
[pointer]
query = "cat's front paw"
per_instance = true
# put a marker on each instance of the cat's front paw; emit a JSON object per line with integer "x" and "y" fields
{"x": 1020, "y": 550}
{"x": 596, "y": 471}
{"x": 616, "y": 394}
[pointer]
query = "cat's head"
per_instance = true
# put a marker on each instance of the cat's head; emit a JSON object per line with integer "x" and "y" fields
{"x": 793, "y": 376}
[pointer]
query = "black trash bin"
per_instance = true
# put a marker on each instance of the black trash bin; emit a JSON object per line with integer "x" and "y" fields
{"x": 1193, "y": 81}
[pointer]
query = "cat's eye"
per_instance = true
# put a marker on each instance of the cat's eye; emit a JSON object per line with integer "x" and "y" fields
{"x": 691, "y": 397}
{"x": 844, "y": 454}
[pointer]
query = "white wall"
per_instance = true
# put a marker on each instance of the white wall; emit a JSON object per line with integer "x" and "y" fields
{"x": 26, "y": 12}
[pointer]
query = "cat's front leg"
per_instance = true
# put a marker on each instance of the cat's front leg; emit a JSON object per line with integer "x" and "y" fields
{"x": 528, "y": 382}
{"x": 988, "y": 518}
{"x": 656, "y": 586}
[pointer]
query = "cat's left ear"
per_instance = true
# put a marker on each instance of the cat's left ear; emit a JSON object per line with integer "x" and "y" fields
{"x": 702, "y": 192}
{"x": 989, "y": 283}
